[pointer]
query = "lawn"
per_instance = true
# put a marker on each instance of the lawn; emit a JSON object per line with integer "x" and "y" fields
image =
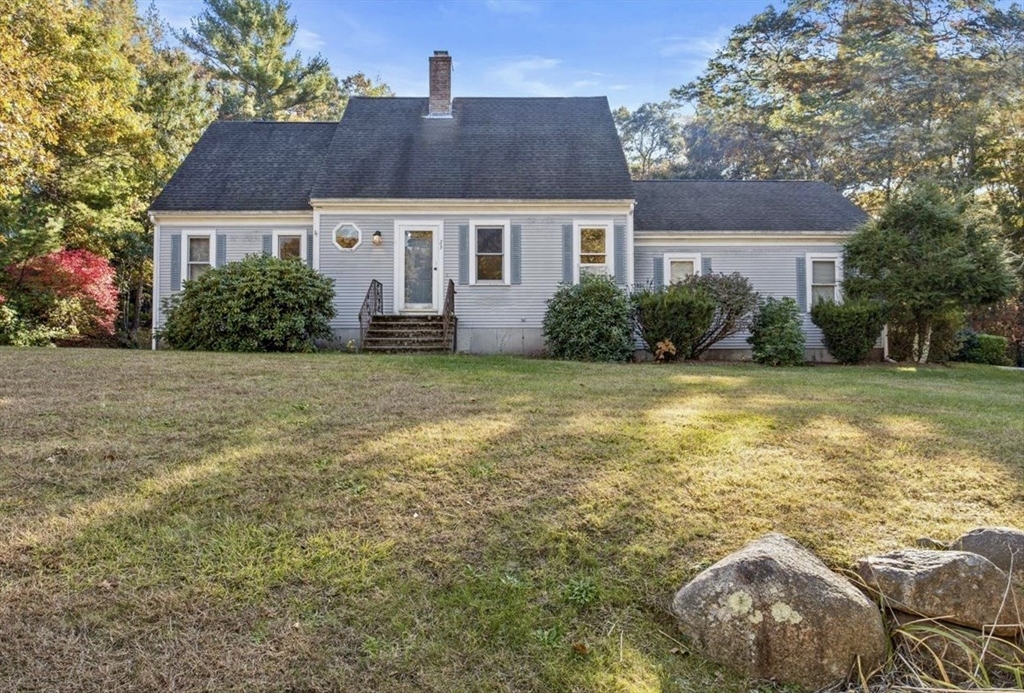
{"x": 190, "y": 522}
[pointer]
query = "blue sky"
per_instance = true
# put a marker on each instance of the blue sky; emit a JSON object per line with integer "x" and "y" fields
{"x": 631, "y": 52}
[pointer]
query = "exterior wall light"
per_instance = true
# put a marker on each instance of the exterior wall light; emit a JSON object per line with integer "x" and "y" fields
{"x": 378, "y": 239}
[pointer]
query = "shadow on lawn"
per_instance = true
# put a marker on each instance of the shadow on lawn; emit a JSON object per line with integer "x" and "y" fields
{"x": 423, "y": 528}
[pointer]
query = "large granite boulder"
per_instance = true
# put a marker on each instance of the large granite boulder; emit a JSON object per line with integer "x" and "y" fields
{"x": 956, "y": 586}
{"x": 1004, "y": 546}
{"x": 772, "y": 610}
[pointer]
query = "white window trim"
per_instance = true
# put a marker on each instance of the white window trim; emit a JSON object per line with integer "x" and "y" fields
{"x": 609, "y": 245}
{"x": 809, "y": 259}
{"x": 334, "y": 237}
{"x": 669, "y": 258}
{"x": 303, "y": 242}
{"x": 506, "y": 251}
{"x": 197, "y": 233}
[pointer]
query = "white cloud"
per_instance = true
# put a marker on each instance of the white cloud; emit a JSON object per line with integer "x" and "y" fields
{"x": 540, "y": 76}
{"x": 521, "y": 76}
{"x": 693, "y": 47}
{"x": 513, "y": 7}
{"x": 308, "y": 41}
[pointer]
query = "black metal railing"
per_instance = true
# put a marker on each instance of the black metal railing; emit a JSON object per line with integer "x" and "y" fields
{"x": 448, "y": 316}
{"x": 373, "y": 304}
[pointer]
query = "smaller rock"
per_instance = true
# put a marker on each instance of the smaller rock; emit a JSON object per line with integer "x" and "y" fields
{"x": 1004, "y": 546}
{"x": 926, "y": 643}
{"x": 956, "y": 586}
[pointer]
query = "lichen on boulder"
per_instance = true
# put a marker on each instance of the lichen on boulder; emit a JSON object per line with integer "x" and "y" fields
{"x": 773, "y": 610}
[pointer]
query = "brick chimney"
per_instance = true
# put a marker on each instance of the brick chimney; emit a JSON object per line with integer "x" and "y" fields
{"x": 440, "y": 85}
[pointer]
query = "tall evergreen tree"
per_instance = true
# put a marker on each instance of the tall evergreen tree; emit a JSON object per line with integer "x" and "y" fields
{"x": 245, "y": 46}
{"x": 924, "y": 256}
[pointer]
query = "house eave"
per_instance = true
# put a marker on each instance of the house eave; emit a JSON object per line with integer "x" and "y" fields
{"x": 463, "y": 206}
{"x": 225, "y": 216}
{"x": 737, "y": 237}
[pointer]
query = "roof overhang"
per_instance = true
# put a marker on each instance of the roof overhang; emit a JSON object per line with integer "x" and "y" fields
{"x": 230, "y": 217}
{"x": 458, "y": 206}
{"x": 741, "y": 237}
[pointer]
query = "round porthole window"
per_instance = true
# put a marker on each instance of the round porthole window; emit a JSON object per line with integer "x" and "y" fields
{"x": 347, "y": 236}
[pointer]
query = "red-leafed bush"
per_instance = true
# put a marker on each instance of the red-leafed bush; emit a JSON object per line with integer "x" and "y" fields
{"x": 67, "y": 292}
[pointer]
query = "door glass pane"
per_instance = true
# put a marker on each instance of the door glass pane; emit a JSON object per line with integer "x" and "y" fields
{"x": 680, "y": 270}
{"x": 419, "y": 267}
{"x": 199, "y": 250}
{"x": 289, "y": 247}
{"x": 823, "y": 272}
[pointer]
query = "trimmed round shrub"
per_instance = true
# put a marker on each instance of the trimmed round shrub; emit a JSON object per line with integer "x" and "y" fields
{"x": 260, "y": 303}
{"x": 849, "y": 329}
{"x": 983, "y": 348}
{"x": 589, "y": 321}
{"x": 775, "y": 333}
{"x": 678, "y": 313}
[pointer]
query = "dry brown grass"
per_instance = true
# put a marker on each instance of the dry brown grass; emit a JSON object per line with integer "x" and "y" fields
{"x": 332, "y": 522}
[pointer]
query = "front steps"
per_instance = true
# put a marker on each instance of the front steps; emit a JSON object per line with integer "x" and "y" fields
{"x": 408, "y": 334}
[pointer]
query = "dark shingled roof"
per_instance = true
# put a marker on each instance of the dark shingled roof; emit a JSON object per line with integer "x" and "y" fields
{"x": 728, "y": 205}
{"x": 490, "y": 149}
{"x": 248, "y": 166}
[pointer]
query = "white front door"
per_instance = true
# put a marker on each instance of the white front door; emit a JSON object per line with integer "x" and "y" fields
{"x": 419, "y": 267}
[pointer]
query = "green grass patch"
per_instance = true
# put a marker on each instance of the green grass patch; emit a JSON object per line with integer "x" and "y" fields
{"x": 345, "y": 522}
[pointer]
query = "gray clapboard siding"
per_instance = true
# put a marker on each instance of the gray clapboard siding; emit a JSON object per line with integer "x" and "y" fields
{"x": 233, "y": 243}
{"x": 516, "y": 305}
{"x": 772, "y": 269}
{"x": 353, "y": 270}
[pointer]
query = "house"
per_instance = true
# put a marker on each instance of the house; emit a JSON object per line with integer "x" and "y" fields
{"x": 428, "y": 211}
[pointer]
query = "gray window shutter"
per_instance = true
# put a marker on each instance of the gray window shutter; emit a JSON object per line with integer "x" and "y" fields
{"x": 659, "y": 271}
{"x": 222, "y": 250}
{"x": 517, "y": 254}
{"x": 268, "y": 244}
{"x": 620, "y": 255}
{"x": 801, "y": 283}
{"x": 567, "y": 253}
{"x": 463, "y": 253}
{"x": 705, "y": 264}
{"x": 175, "y": 262}
{"x": 309, "y": 248}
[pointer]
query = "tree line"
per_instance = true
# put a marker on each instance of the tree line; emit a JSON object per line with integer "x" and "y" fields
{"x": 99, "y": 103}
{"x": 886, "y": 100}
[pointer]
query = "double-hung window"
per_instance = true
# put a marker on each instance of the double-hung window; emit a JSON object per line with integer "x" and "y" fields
{"x": 679, "y": 266}
{"x": 199, "y": 254}
{"x": 290, "y": 245}
{"x": 489, "y": 249}
{"x": 594, "y": 248}
{"x": 824, "y": 275}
